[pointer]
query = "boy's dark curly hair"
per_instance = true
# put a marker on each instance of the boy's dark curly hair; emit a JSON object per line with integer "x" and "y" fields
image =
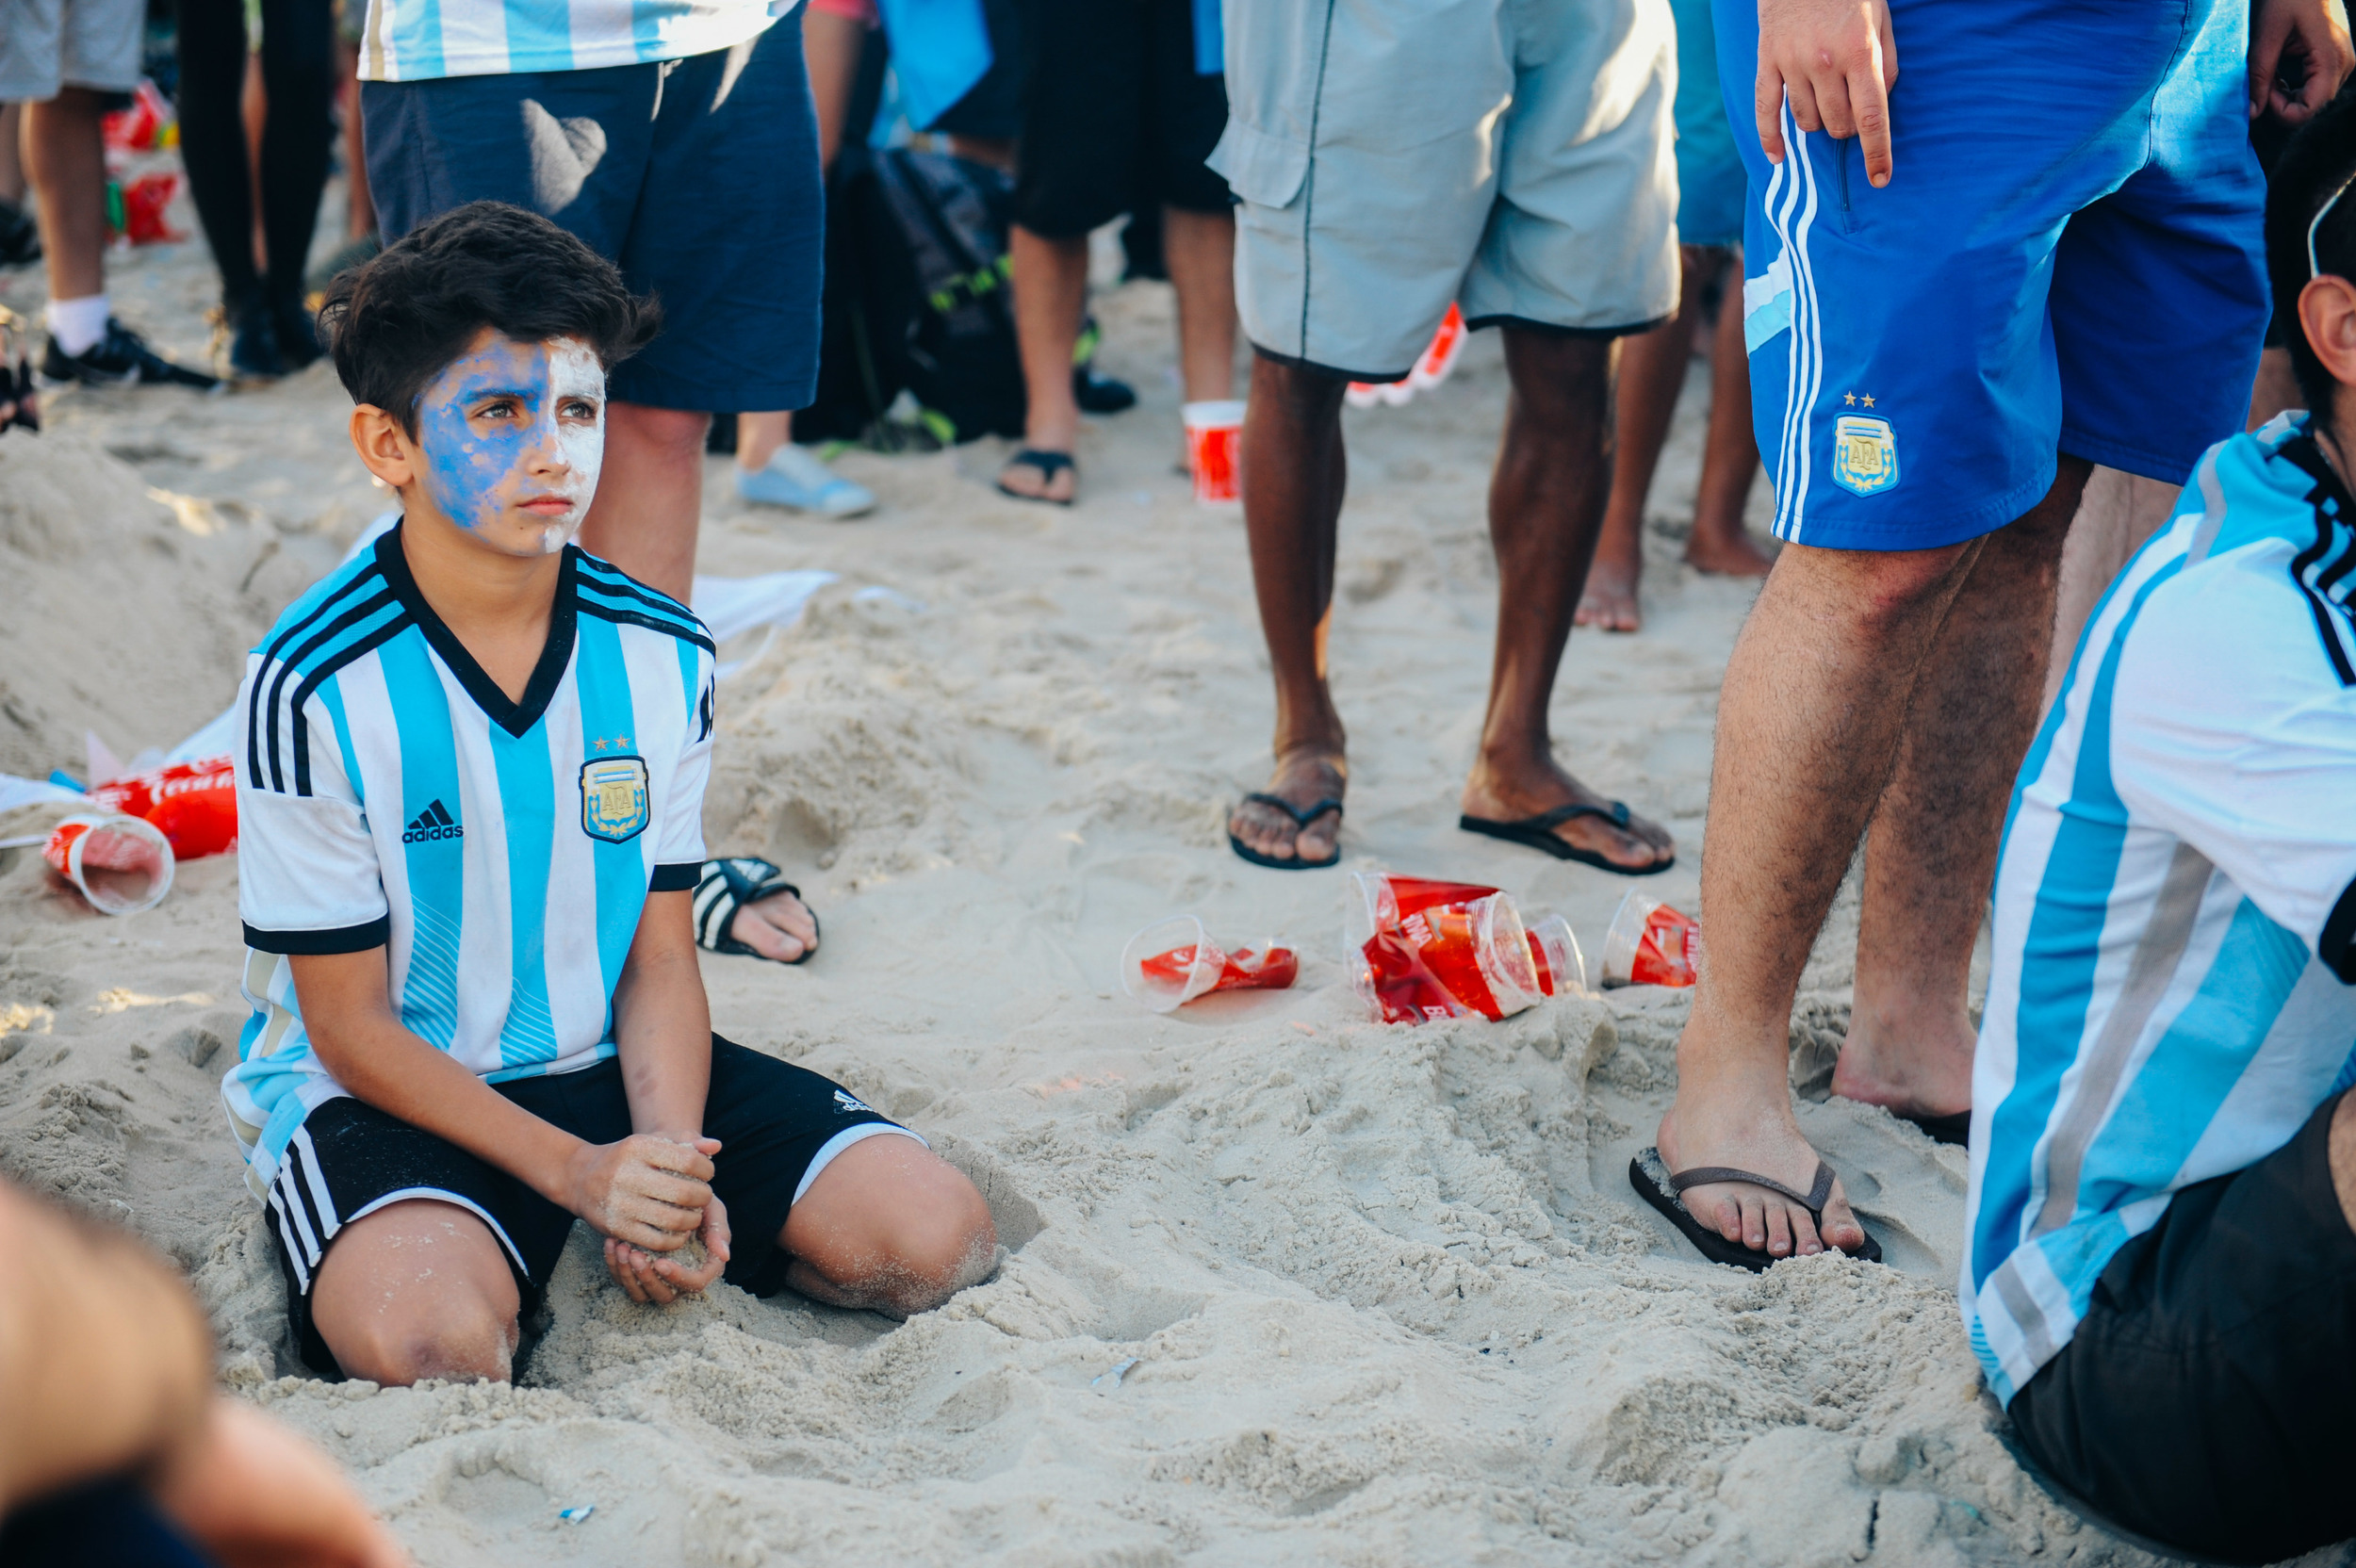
{"x": 397, "y": 321}
{"x": 2314, "y": 163}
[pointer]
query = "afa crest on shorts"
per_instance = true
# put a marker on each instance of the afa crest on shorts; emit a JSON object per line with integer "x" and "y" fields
{"x": 1864, "y": 453}
{"x": 614, "y": 805}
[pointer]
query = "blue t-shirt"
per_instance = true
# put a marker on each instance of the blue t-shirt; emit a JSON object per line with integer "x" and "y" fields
{"x": 2171, "y": 992}
{"x": 389, "y": 794}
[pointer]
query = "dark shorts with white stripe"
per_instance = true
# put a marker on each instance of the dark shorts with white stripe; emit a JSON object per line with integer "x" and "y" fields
{"x": 779, "y": 1125}
{"x": 2206, "y": 1400}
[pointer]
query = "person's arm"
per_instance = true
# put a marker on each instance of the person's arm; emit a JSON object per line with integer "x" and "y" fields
{"x": 105, "y": 1368}
{"x": 1836, "y": 61}
{"x": 648, "y": 1190}
{"x": 2299, "y": 56}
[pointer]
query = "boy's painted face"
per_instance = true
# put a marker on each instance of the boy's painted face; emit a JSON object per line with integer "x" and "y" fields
{"x": 512, "y": 436}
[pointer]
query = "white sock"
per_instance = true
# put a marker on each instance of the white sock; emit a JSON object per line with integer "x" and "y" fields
{"x": 78, "y": 324}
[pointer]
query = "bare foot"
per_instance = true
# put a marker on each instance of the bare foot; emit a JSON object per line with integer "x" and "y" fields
{"x": 779, "y": 926}
{"x": 1753, "y": 1131}
{"x": 1735, "y": 555}
{"x": 1609, "y": 601}
{"x": 1027, "y": 479}
{"x": 1917, "y": 1067}
{"x": 1490, "y": 794}
{"x": 1304, "y": 775}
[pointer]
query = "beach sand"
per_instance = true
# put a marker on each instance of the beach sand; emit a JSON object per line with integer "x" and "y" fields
{"x": 1381, "y": 1294}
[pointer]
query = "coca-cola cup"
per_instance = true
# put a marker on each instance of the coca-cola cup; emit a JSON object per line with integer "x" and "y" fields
{"x": 1649, "y": 943}
{"x": 1173, "y": 961}
{"x": 122, "y": 864}
{"x": 1213, "y": 430}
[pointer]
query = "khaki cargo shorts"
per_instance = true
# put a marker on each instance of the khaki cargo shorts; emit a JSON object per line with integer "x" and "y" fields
{"x": 1515, "y": 156}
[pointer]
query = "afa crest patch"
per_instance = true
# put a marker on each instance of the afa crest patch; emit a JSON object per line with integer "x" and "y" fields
{"x": 614, "y": 805}
{"x": 1864, "y": 455}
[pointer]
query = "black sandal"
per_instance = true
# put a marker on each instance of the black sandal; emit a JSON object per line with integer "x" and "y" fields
{"x": 1538, "y": 833}
{"x": 1653, "y": 1182}
{"x": 1302, "y": 818}
{"x": 727, "y": 886}
{"x": 1049, "y": 465}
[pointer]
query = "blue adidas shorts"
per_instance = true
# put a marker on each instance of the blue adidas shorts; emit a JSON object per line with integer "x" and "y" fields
{"x": 2070, "y": 256}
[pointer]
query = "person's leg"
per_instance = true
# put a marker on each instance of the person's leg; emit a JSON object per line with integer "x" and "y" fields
{"x": 2118, "y": 513}
{"x": 1546, "y": 503}
{"x": 888, "y": 1226}
{"x": 650, "y": 494}
{"x": 65, "y": 157}
{"x": 1930, "y": 854}
{"x": 1051, "y": 278}
{"x": 1719, "y": 542}
{"x": 11, "y": 155}
{"x": 1199, "y": 248}
{"x": 359, "y": 207}
{"x": 833, "y": 46}
{"x": 212, "y": 140}
{"x": 2274, "y": 390}
{"x": 418, "y": 1289}
{"x": 1653, "y": 365}
{"x": 1294, "y": 471}
{"x": 298, "y": 76}
{"x": 759, "y": 436}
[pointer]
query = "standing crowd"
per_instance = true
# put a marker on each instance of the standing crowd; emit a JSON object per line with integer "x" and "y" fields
{"x": 2045, "y": 629}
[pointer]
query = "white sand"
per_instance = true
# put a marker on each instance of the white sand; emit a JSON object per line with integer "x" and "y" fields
{"x": 1388, "y": 1296}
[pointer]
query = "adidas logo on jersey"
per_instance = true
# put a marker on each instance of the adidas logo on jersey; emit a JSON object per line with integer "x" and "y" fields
{"x": 435, "y": 822}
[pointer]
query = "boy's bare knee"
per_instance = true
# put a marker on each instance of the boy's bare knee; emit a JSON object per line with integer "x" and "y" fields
{"x": 2343, "y": 1150}
{"x": 460, "y": 1342}
{"x": 947, "y": 1247}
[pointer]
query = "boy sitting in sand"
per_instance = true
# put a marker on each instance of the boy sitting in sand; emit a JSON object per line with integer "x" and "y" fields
{"x": 470, "y": 801}
{"x": 2161, "y": 1276}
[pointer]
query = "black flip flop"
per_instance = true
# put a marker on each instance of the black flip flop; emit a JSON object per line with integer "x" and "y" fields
{"x": 1302, "y": 818}
{"x": 726, "y": 887}
{"x": 1049, "y": 465}
{"x": 1650, "y": 1177}
{"x": 1538, "y": 833}
{"x": 1955, "y": 1128}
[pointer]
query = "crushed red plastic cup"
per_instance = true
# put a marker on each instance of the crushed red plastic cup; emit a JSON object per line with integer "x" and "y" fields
{"x": 193, "y": 804}
{"x": 146, "y": 127}
{"x": 1173, "y": 961}
{"x": 142, "y": 203}
{"x": 1213, "y": 430}
{"x": 1651, "y": 944}
{"x": 122, "y": 864}
{"x": 1432, "y": 367}
{"x": 1437, "y": 950}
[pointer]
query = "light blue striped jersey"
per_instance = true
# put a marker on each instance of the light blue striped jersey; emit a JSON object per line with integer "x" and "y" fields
{"x": 2171, "y": 993}
{"x": 389, "y": 794}
{"x": 414, "y": 40}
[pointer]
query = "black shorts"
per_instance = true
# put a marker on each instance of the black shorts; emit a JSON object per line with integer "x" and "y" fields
{"x": 2206, "y": 1399}
{"x": 777, "y": 1125}
{"x": 1115, "y": 115}
{"x": 702, "y": 185}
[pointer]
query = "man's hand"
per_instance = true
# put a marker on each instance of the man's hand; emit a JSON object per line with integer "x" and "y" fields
{"x": 657, "y": 1280}
{"x": 1836, "y": 60}
{"x": 2299, "y": 56}
{"x": 647, "y": 1191}
{"x": 253, "y": 1494}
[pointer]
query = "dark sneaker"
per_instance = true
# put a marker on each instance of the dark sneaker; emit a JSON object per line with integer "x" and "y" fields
{"x": 298, "y": 335}
{"x": 253, "y": 346}
{"x": 119, "y": 359}
{"x": 1097, "y": 394}
{"x": 19, "y": 236}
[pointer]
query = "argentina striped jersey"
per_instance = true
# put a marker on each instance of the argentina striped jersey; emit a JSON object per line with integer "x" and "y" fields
{"x": 389, "y": 794}
{"x": 414, "y": 40}
{"x": 2171, "y": 992}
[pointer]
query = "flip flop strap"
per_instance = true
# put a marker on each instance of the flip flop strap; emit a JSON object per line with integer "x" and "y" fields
{"x": 1813, "y": 1199}
{"x": 1617, "y": 814}
{"x": 726, "y": 887}
{"x": 1301, "y": 816}
{"x": 1048, "y": 463}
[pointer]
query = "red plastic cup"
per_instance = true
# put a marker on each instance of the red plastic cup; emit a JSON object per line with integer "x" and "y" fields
{"x": 1651, "y": 945}
{"x": 194, "y": 804}
{"x": 1213, "y": 430}
{"x": 1173, "y": 961}
{"x": 1438, "y": 950}
{"x": 122, "y": 864}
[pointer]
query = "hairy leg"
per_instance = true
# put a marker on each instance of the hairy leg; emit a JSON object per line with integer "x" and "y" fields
{"x": 1545, "y": 506}
{"x": 1051, "y": 280}
{"x": 418, "y": 1289}
{"x": 1930, "y": 855}
{"x": 2275, "y": 390}
{"x": 66, "y": 158}
{"x": 2116, "y": 513}
{"x": 2343, "y": 1150}
{"x": 889, "y": 1226}
{"x": 1652, "y": 373}
{"x": 1199, "y": 248}
{"x": 650, "y": 496}
{"x": 1719, "y": 542}
{"x": 1810, "y": 721}
{"x": 1294, "y": 470}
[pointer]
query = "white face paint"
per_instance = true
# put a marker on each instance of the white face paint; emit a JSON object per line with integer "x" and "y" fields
{"x": 574, "y": 372}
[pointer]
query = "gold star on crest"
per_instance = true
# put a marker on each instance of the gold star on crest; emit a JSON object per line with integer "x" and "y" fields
{"x": 1868, "y": 402}
{"x": 1849, "y": 398}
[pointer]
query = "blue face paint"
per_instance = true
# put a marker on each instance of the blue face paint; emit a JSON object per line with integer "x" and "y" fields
{"x": 512, "y": 436}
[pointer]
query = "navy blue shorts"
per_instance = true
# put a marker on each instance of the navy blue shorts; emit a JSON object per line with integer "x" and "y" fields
{"x": 2068, "y": 257}
{"x": 698, "y": 177}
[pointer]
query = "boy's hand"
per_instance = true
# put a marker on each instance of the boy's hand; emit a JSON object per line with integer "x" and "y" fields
{"x": 647, "y": 1191}
{"x": 658, "y": 1281}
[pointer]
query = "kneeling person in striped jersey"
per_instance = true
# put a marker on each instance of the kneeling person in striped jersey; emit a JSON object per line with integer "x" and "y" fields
{"x": 471, "y": 797}
{"x": 2160, "y": 1280}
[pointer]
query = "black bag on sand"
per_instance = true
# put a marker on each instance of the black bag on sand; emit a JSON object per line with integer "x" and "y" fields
{"x": 916, "y": 299}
